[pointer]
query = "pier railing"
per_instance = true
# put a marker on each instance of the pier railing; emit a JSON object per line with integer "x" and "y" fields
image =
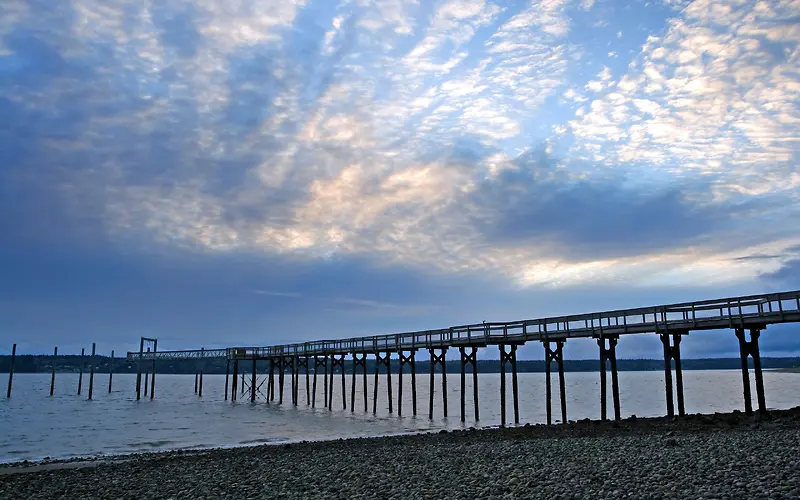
{"x": 743, "y": 312}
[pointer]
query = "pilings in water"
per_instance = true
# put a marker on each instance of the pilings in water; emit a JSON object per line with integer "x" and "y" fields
{"x": 608, "y": 353}
{"x": 234, "y": 379}
{"x": 555, "y": 354}
{"x": 139, "y": 370}
{"x": 147, "y": 378}
{"x": 11, "y": 370}
{"x": 227, "y": 376}
{"x": 110, "y": 371}
{"x": 302, "y": 362}
{"x": 202, "y": 366}
{"x": 510, "y": 358}
{"x": 91, "y": 370}
{"x": 438, "y": 359}
{"x": 271, "y": 381}
{"x": 53, "y": 373}
{"x": 382, "y": 360}
{"x": 80, "y": 374}
{"x": 253, "y": 382}
{"x": 320, "y": 362}
{"x": 673, "y": 352}
{"x": 469, "y": 358}
{"x": 362, "y": 362}
{"x": 405, "y": 359}
{"x": 337, "y": 362}
{"x": 750, "y": 349}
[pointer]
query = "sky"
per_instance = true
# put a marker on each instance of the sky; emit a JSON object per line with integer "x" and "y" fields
{"x": 254, "y": 172}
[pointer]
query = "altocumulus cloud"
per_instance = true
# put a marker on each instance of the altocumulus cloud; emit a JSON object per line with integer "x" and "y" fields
{"x": 553, "y": 144}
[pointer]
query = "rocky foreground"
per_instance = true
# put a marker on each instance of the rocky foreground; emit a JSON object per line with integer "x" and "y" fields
{"x": 723, "y": 456}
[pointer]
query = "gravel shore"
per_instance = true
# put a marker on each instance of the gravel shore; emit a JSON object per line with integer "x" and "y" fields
{"x": 722, "y": 456}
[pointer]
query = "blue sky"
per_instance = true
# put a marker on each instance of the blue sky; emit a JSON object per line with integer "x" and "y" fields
{"x": 254, "y": 172}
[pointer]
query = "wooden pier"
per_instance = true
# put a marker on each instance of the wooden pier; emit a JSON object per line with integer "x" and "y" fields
{"x": 746, "y": 316}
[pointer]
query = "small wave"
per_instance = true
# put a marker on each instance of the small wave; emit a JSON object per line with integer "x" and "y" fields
{"x": 151, "y": 444}
{"x": 264, "y": 440}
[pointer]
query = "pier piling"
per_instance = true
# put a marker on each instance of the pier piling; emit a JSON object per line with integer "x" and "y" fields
{"x": 750, "y": 349}
{"x": 11, "y": 370}
{"x": 153, "y": 375}
{"x": 202, "y": 366}
{"x": 53, "y": 372}
{"x": 234, "y": 379}
{"x": 147, "y": 378}
{"x": 437, "y": 359}
{"x": 110, "y": 371}
{"x": 227, "y": 376}
{"x": 555, "y": 354}
{"x": 91, "y": 371}
{"x": 673, "y": 352}
{"x": 362, "y": 362}
{"x": 80, "y": 374}
{"x": 469, "y": 358}
{"x": 509, "y": 357}
{"x": 139, "y": 370}
{"x": 252, "y": 382}
{"x": 608, "y": 355}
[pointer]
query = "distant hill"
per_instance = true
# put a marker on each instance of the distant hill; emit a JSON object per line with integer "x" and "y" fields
{"x": 44, "y": 364}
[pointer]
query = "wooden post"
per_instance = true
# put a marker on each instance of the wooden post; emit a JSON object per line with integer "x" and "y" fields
{"x": 110, "y": 371}
{"x": 308, "y": 383}
{"x": 561, "y": 381}
{"x": 202, "y": 361}
{"x": 271, "y": 381}
{"x": 668, "y": 374}
{"x": 80, "y": 374}
{"x": 612, "y": 342}
{"x": 53, "y": 374}
{"x": 353, "y": 384}
{"x": 443, "y": 361}
{"x": 676, "y": 355}
{"x": 153, "y": 375}
{"x": 547, "y": 391}
{"x": 147, "y": 379}
{"x": 463, "y": 384}
{"x": 514, "y": 382}
{"x": 243, "y": 387}
{"x": 433, "y": 369}
{"x": 475, "y": 382}
{"x": 344, "y": 384}
{"x": 325, "y": 381}
{"x": 331, "y": 381}
{"x": 375, "y": 387}
{"x": 388, "y": 358}
{"x": 754, "y": 352}
{"x": 502, "y": 386}
{"x": 743, "y": 354}
{"x": 91, "y": 370}
{"x": 139, "y": 371}
{"x": 227, "y": 376}
{"x": 11, "y": 369}
{"x": 281, "y": 378}
{"x": 603, "y": 413}
{"x": 196, "y": 382}
{"x": 253, "y": 382}
{"x": 314, "y": 383}
{"x": 413, "y": 362}
{"x": 234, "y": 379}
{"x": 364, "y": 383}
{"x": 400, "y": 386}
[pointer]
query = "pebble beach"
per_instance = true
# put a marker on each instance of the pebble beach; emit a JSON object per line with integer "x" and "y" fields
{"x": 720, "y": 456}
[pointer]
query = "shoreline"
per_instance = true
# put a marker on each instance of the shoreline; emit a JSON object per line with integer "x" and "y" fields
{"x": 584, "y": 428}
{"x": 718, "y": 456}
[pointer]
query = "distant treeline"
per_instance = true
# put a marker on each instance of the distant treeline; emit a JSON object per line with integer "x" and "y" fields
{"x": 70, "y": 363}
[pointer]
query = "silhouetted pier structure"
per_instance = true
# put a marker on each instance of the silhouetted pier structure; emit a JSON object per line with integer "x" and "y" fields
{"x": 747, "y": 316}
{"x": 322, "y": 360}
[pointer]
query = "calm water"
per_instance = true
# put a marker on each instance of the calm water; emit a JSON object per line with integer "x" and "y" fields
{"x": 35, "y": 425}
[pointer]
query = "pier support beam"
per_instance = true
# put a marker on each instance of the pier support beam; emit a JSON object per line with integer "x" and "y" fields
{"x": 11, "y": 370}
{"x": 53, "y": 374}
{"x": 91, "y": 370}
{"x": 750, "y": 349}
{"x": 404, "y": 359}
{"x": 202, "y": 363}
{"x": 302, "y": 362}
{"x": 281, "y": 369}
{"x": 382, "y": 360}
{"x": 438, "y": 359}
{"x": 340, "y": 363}
{"x": 469, "y": 358}
{"x": 110, "y": 371}
{"x": 608, "y": 353}
{"x": 320, "y": 362}
{"x": 153, "y": 376}
{"x": 227, "y": 376}
{"x": 362, "y": 362}
{"x": 253, "y": 381}
{"x": 555, "y": 354}
{"x": 673, "y": 352}
{"x": 271, "y": 381}
{"x": 234, "y": 379}
{"x": 139, "y": 370}
{"x": 511, "y": 358}
{"x": 80, "y": 374}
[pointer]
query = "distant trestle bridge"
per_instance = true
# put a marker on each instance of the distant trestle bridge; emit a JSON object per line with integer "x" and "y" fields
{"x": 747, "y": 316}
